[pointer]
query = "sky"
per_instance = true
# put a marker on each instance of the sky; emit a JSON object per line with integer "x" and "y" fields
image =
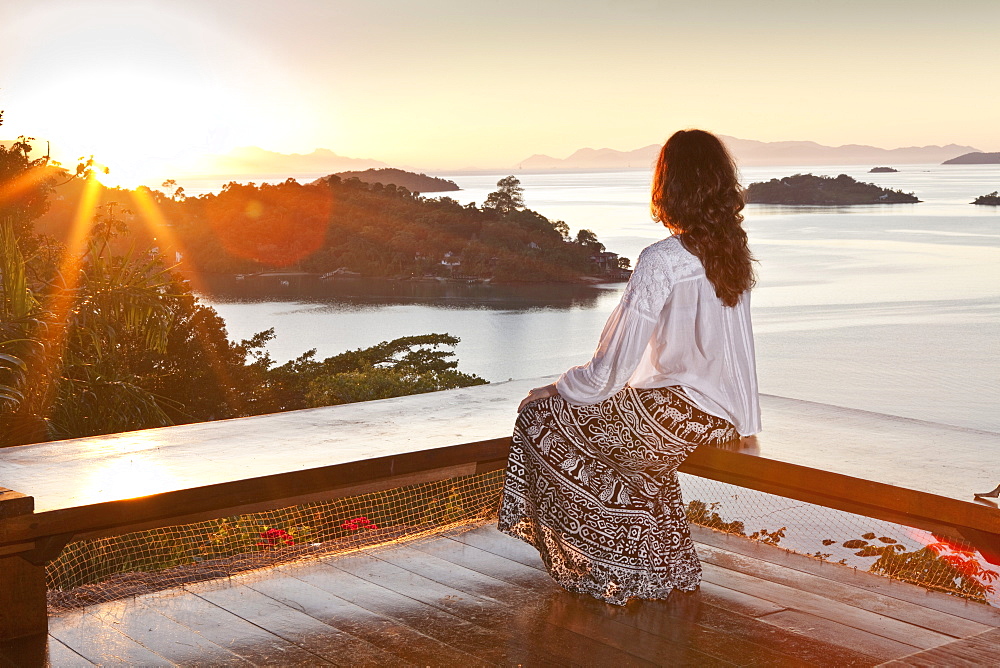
{"x": 148, "y": 85}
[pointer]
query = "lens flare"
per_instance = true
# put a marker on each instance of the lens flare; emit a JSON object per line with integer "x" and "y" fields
{"x": 23, "y": 184}
{"x": 54, "y": 327}
{"x": 151, "y": 215}
{"x": 276, "y": 225}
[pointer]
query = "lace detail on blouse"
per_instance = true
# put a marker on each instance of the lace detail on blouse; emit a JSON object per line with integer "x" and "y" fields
{"x": 658, "y": 268}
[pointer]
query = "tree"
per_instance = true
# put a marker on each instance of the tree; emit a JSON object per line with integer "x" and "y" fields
{"x": 18, "y": 312}
{"x": 408, "y": 365}
{"x": 201, "y": 374}
{"x": 562, "y": 228}
{"x": 178, "y": 194}
{"x": 24, "y": 187}
{"x": 276, "y": 225}
{"x": 109, "y": 310}
{"x": 25, "y": 184}
{"x": 589, "y": 240}
{"x": 507, "y": 198}
{"x": 68, "y": 328}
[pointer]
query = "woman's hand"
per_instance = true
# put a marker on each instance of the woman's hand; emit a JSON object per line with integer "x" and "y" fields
{"x": 538, "y": 393}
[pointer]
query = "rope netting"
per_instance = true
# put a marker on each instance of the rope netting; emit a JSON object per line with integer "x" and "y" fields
{"x": 105, "y": 569}
{"x": 903, "y": 553}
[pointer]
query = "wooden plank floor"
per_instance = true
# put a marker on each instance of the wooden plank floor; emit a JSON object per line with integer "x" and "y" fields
{"x": 481, "y": 598}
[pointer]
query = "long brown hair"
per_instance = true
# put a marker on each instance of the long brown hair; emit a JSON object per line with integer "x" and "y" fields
{"x": 696, "y": 194}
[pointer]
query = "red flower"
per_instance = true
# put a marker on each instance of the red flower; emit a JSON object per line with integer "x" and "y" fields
{"x": 357, "y": 523}
{"x": 273, "y": 536}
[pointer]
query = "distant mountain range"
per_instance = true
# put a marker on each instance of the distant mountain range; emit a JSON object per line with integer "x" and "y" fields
{"x": 254, "y": 160}
{"x": 750, "y": 152}
{"x": 977, "y": 158}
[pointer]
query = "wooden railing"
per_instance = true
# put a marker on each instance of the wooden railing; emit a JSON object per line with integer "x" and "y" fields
{"x": 231, "y": 467}
{"x": 29, "y": 540}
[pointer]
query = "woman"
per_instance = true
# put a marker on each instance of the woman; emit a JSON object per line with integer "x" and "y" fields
{"x": 591, "y": 481}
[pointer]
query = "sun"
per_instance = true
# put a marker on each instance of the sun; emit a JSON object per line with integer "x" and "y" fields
{"x": 150, "y": 89}
{"x": 125, "y": 83}
{"x": 136, "y": 125}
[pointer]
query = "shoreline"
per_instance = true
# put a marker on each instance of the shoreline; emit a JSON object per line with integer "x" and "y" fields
{"x": 429, "y": 291}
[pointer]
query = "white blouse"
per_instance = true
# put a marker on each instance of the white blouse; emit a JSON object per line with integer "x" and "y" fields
{"x": 670, "y": 328}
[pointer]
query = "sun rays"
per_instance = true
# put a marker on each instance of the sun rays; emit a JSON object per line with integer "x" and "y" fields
{"x": 64, "y": 298}
{"x": 23, "y": 184}
{"x": 150, "y": 215}
{"x": 54, "y": 325}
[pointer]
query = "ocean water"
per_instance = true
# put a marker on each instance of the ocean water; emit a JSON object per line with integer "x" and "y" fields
{"x": 892, "y": 308}
{"x": 887, "y": 308}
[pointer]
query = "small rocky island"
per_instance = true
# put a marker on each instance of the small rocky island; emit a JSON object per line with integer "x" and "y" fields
{"x": 807, "y": 189}
{"x": 992, "y": 199}
{"x": 415, "y": 183}
{"x": 975, "y": 158}
{"x": 882, "y": 170}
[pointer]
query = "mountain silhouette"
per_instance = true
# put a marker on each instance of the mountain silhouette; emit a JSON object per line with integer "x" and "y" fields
{"x": 751, "y": 152}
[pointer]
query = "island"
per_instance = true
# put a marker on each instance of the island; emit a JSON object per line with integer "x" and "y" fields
{"x": 992, "y": 199}
{"x": 341, "y": 230}
{"x": 975, "y": 158}
{"x": 807, "y": 189}
{"x": 415, "y": 183}
{"x": 882, "y": 170}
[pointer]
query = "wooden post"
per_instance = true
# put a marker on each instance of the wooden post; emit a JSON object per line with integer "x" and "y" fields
{"x": 23, "y": 610}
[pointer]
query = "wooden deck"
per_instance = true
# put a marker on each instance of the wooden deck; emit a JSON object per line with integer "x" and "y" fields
{"x": 481, "y": 598}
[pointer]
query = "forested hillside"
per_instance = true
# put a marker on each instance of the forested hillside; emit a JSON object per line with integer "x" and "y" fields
{"x": 417, "y": 183}
{"x": 98, "y": 335}
{"x": 823, "y": 191}
{"x": 371, "y": 229}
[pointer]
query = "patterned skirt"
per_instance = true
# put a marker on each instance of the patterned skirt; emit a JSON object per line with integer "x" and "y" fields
{"x": 594, "y": 489}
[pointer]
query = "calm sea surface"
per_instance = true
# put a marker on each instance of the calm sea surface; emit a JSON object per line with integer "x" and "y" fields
{"x": 891, "y": 308}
